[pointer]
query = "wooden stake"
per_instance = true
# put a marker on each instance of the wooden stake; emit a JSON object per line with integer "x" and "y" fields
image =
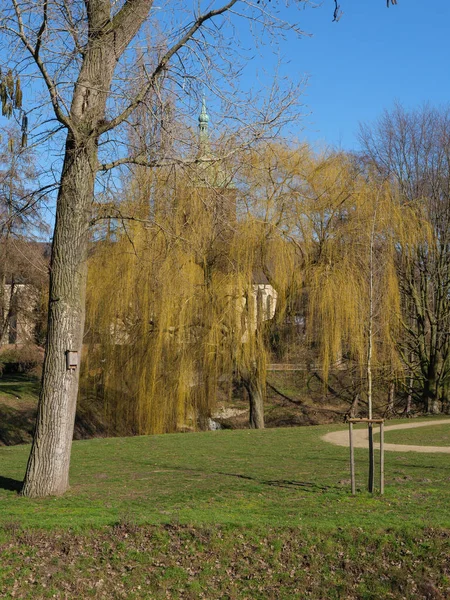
{"x": 371, "y": 458}
{"x": 352, "y": 459}
{"x": 381, "y": 459}
{"x": 370, "y": 423}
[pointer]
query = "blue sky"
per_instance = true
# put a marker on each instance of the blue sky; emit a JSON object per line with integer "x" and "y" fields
{"x": 358, "y": 66}
{"x": 372, "y": 57}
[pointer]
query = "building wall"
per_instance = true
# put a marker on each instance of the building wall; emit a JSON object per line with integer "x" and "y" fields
{"x": 20, "y": 304}
{"x": 261, "y": 307}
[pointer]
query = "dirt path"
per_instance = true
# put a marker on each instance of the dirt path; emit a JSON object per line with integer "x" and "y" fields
{"x": 360, "y": 439}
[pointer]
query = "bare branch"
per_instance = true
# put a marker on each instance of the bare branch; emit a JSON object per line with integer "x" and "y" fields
{"x": 51, "y": 86}
{"x": 162, "y": 64}
{"x": 41, "y": 30}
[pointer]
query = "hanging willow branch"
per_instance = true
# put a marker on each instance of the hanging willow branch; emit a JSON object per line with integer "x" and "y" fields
{"x": 11, "y": 99}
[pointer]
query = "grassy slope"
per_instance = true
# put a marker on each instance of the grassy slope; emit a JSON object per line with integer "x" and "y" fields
{"x": 19, "y": 395}
{"x": 18, "y": 399}
{"x": 228, "y": 514}
{"x": 302, "y": 400}
{"x": 18, "y": 404}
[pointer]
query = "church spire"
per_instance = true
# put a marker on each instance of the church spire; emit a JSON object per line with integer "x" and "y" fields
{"x": 203, "y": 120}
{"x": 210, "y": 172}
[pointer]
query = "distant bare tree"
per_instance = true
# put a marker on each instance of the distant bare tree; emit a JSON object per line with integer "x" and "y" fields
{"x": 21, "y": 226}
{"x": 412, "y": 148}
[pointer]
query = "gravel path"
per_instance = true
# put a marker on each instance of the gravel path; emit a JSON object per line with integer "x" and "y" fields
{"x": 360, "y": 438}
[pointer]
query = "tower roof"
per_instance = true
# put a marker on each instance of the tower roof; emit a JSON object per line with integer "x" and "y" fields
{"x": 204, "y": 150}
{"x": 210, "y": 173}
{"x": 203, "y": 116}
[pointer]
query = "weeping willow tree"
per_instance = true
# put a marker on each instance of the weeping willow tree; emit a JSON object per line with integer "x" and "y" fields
{"x": 172, "y": 307}
{"x": 342, "y": 228}
{"x": 174, "y": 312}
{"x": 272, "y": 176}
{"x": 355, "y": 225}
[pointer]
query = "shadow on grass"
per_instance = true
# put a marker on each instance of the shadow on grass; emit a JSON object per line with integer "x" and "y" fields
{"x": 17, "y": 385}
{"x": 308, "y": 486}
{"x": 286, "y": 483}
{"x": 12, "y": 485}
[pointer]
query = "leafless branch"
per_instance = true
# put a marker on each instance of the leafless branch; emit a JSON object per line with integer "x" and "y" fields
{"x": 162, "y": 65}
{"x": 51, "y": 86}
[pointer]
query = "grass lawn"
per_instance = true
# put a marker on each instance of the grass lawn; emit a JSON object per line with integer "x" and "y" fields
{"x": 227, "y": 514}
{"x": 20, "y": 388}
{"x": 438, "y": 435}
{"x": 277, "y": 477}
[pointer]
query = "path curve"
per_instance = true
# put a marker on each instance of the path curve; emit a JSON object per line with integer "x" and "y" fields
{"x": 360, "y": 438}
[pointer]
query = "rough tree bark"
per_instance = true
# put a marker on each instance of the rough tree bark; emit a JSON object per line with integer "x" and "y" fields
{"x": 48, "y": 466}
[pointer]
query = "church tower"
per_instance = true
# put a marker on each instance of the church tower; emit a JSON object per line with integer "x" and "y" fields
{"x": 213, "y": 184}
{"x": 204, "y": 149}
{"x": 212, "y": 175}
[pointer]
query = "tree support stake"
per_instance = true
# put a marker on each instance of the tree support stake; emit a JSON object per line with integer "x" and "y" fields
{"x": 370, "y": 424}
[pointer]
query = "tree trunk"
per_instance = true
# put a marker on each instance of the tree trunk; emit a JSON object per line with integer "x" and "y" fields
{"x": 3, "y": 305}
{"x": 409, "y": 397}
{"x": 434, "y": 406}
{"x": 371, "y": 459}
{"x": 430, "y": 392}
{"x": 446, "y": 397}
{"x": 371, "y": 314}
{"x": 256, "y": 399}
{"x": 7, "y": 311}
{"x": 48, "y": 466}
{"x": 354, "y": 407}
{"x": 255, "y": 386}
{"x": 391, "y": 398}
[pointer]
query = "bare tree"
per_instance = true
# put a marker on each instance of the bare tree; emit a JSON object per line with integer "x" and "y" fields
{"x": 21, "y": 228}
{"x": 413, "y": 150}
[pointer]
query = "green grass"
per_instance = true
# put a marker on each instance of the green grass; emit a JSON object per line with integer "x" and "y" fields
{"x": 227, "y": 514}
{"x": 21, "y": 388}
{"x": 276, "y": 477}
{"x": 437, "y": 435}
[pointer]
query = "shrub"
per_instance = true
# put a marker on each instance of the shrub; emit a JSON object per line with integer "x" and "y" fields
{"x": 21, "y": 359}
